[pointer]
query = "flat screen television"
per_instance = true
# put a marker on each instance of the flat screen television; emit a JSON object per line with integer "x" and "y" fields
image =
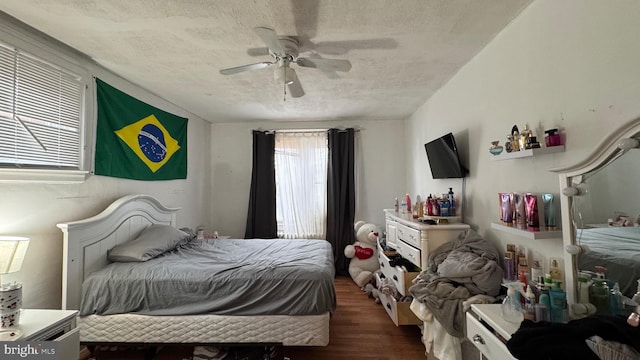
{"x": 444, "y": 161}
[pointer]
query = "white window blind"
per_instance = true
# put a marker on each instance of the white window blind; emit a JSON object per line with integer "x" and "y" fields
{"x": 40, "y": 113}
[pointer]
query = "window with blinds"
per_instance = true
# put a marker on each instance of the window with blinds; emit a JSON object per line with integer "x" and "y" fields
{"x": 40, "y": 113}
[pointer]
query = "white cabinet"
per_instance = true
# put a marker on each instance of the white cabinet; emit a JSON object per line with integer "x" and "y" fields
{"x": 414, "y": 240}
{"x": 489, "y": 332}
{"x": 51, "y": 325}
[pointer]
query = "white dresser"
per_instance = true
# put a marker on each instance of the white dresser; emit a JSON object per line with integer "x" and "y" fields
{"x": 51, "y": 325}
{"x": 413, "y": 239}
{"x": 489, "y": 332}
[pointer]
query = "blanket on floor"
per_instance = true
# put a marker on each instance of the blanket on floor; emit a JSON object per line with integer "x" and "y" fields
{"x": 456, "y": 271}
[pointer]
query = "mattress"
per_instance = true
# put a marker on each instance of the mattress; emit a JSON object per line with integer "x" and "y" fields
{"x": 224, "y": 277}
{"x": 312, "y": 330}
{"x": 615, "y": 248}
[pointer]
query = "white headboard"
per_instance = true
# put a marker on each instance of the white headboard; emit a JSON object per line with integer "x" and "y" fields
{"x": 86, "y": 241}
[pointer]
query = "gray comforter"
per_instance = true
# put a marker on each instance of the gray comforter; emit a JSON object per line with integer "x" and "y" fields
{"x": 456, "y": 271}
{"x": 226, "y": 277}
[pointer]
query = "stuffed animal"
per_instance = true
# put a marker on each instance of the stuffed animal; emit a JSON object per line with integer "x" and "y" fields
{"x": 363, "y": 253}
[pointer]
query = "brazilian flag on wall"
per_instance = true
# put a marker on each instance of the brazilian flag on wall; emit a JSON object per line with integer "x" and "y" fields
{"x": 135, "y": 140}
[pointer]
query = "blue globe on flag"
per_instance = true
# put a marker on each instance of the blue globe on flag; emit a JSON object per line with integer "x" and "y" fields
{"x": 152, "y": 143}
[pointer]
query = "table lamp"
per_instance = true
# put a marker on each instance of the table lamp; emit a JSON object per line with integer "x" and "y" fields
{"x": 12, "y": 252}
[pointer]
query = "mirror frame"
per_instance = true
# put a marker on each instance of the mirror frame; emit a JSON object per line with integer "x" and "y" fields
{"x": 604, "y": 152}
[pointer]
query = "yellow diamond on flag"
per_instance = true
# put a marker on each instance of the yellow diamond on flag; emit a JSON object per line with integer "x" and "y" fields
{"x": 150, "y": 141}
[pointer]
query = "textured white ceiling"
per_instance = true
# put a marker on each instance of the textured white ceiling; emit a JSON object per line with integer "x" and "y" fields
{"x": 401, "y": 51}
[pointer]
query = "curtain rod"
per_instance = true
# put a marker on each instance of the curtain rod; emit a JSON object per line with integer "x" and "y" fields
{"x": 355, "y": 129}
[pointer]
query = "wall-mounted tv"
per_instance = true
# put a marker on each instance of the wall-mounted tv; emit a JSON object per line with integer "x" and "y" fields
{"x": 444, "y": 161}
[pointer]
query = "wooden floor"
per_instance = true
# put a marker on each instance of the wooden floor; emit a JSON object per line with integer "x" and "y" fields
{"x": 360, "y": 329}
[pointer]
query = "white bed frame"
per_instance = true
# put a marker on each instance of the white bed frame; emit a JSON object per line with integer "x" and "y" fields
{"x": 86, "y": 243}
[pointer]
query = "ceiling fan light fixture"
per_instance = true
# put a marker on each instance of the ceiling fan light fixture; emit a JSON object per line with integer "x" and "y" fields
{"x": 285, "y": 75}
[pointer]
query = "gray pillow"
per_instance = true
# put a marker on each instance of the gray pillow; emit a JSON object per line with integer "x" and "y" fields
{"x": 153, "y": 241}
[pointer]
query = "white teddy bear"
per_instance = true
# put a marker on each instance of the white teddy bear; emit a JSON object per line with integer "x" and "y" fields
{"x": 363, "y": 253}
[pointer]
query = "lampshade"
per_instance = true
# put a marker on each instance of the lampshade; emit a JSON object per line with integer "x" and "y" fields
{"x": 12, "y": 252}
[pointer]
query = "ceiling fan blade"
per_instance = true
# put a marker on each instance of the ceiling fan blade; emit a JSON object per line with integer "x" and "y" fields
{"x": 263, "y": 51}
{"x": 270, "y": 38}
{"x": 295, "y": 88}
{"x": 237, "y": 69}
{"x": 344, "y": 46}
{"x": 325, "y": 64}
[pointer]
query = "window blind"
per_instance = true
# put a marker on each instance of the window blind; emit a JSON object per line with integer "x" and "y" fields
{"x": 40, "y": 113}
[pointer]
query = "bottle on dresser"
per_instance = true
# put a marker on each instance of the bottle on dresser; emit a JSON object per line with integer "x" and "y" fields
{"x": 452, "y": 203}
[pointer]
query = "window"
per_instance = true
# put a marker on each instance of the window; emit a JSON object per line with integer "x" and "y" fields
{"x": 301, "y": 160}
{"x": 40, "y": 113}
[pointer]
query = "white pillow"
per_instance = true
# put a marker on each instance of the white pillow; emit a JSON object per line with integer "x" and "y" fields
{"x": 153, "y": 241}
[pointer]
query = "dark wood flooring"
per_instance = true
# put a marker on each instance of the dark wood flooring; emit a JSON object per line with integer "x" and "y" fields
{"x": 360, "y": 329}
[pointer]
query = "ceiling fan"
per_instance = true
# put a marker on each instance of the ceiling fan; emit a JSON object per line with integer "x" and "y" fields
{"x": 284, "y": 51}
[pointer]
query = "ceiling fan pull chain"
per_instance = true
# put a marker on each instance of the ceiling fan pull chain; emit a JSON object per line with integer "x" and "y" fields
{"x": 284, "y": 86}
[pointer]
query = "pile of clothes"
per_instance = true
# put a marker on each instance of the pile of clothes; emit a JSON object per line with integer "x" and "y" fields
{"x": 591, "y": 338}
{"x": 457, "y": 271}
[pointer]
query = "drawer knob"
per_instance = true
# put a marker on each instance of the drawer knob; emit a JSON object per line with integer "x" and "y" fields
{"x": 478, "y": 339}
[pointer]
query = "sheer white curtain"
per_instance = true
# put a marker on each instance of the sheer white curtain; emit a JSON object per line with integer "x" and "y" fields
{"x": 301, "y": 184}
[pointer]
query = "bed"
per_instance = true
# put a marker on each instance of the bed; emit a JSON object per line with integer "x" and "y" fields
{"x": 615, "y": 248}
{"x": 259, "y": 313}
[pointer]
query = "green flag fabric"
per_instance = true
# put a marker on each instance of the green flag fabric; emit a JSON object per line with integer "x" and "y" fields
{"x": 135, "y": 140}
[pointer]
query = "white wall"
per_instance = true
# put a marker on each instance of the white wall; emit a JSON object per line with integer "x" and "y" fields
{"x": 33, "y": 210}
{"x": 571, "y": 64}
{"x": 381, "y": 168}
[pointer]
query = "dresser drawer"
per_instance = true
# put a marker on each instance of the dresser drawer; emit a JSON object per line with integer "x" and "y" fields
{"x": 408, "y": 235}
{"x": 410, "y": 253}
{"x": 399, "y": 312}
{"x": 485, "y": 341}
{"x": 401, "y": 279}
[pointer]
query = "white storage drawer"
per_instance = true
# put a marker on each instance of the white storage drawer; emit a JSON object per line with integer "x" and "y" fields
{"x": 408, "y": 235}
{"x": 399, "y": 312}
{"x": 484, "y": 339}
{"x": 409, "y": 252}
{"x": 391, "y": 233}
{"x": 401, "y": 279}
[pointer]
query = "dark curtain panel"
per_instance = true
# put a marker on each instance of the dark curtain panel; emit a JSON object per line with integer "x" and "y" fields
{"x": 261, "y": 216}
{"x": 341, "y": 198}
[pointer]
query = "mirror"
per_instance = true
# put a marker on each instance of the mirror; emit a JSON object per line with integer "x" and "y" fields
{"x": 595, "y": 190}
{"x": 606, "y": 216}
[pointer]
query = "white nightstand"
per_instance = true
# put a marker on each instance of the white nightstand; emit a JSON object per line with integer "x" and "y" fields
{"x": 51, "y": 325}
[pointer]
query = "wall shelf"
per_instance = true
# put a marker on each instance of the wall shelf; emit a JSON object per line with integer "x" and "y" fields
{"x": 533, "y": 235}
{"x": 527, "y": 153}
